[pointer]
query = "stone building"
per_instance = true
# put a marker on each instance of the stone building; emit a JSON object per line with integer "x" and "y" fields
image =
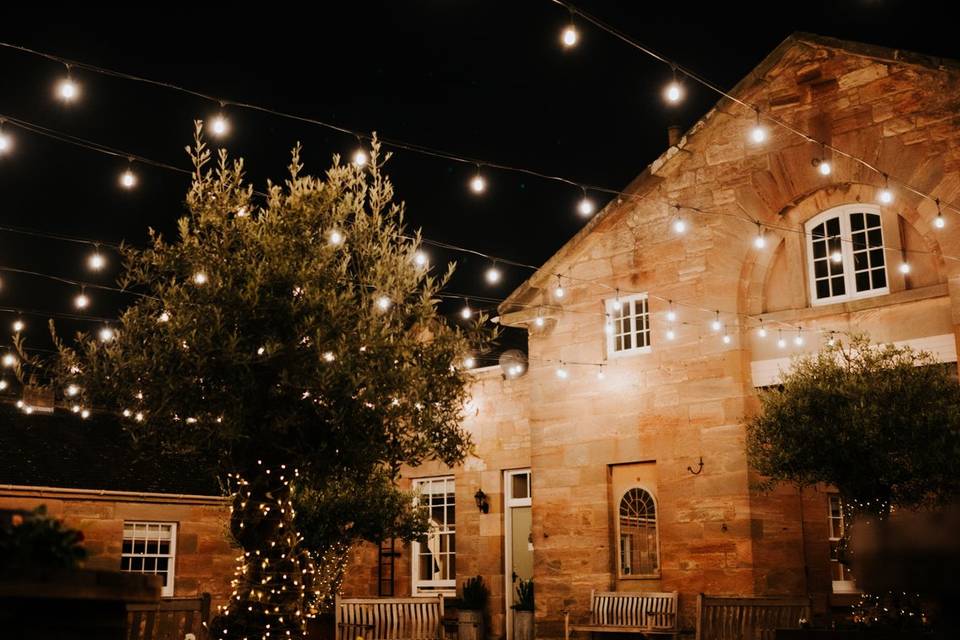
{"x": 617, "y": 461}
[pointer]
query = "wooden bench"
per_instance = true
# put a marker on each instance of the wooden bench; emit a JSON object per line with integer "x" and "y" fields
{"x": 389, "y": 618}
{"x": 748, "y": 618}
{"x": 644, "y": 612}
{"x": 169, "y": 619}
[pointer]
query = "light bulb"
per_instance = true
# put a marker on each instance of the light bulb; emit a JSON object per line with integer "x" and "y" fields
{"x": 106, "y": 334}
{"x": 200, "y": 278}
{"x": 726, "y": 338}
{"x": 601, "y": 375}
{"x": 420, "y": 259}
{"x": 798, "y": 340}
{"x": 6, "y": 142}
{"x": 904, "y": 267}
{"x": 671, "y": 334}
{"x": 608, "y": 327}
{"x": 3, "y": 384}
{"x": 96, "y": 261}
{"x": 128, "y": 179}
{"x": 478, "y": 184}
{"x": 559, "y": 292}
{"x": 758, "y": 134}
{"x": 569, "y": 36}
{"x": 383, "y": 303}
{"x": 671, "y": 316}
{"x": 469, "y": 362}
{"x": 562, "y": 373}
{"x": 81, "y": 301}
{"x": 824, "y": 167}
{"x": 9, "y": 360}
{"x": 328, "y": 356}
{"x": 138, "y": 416}
{"x": 836, "y": 256}
{"x": 466, "y": 312}
{"x": 539, "y": 321}
{"x": 939, "y": 222}
{"x": 493, "y": 275}
{"x": 164, "y": 317}
{"x": 220, "y": 126}
{"x": 585, "y": 207}
{"x": 715, "y": 325}
{"x": 67, "y": 89}
{"x": 360, "y": 158}
{"x": 781, "y": 343}
{"x": 673, "y": 92}
{"x": 127, "y": 413}
{"x": 18, "y": 326}
{"x": 679, "y": 226}
{"x": 85, "y": 413}
{"x": 886, "y": 196}
{"x": 759, "y": 242}
{"x": 762, "y": 332}
{"x": 335, "y": 238}
{"x": 72, "y": 390}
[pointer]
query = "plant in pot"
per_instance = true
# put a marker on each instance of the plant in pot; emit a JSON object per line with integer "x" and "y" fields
{"x": 470, "y": 615}
{"x": 523, "y": 611}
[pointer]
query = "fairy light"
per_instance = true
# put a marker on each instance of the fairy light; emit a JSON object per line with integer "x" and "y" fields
{"x": 716, "y": 325}
{"x": 163, "y": 317}
{"x": 493, "y": 274}
{"x": 758, "y": 133}
{"x": 477, "y": 183}
{"x": 673, "y": 92}
{"x": 836, "y": 256}
{"x": 220, "y": 126}
{"x": 81, "y": 301}
{"x": 96, "y": 261}
{"x": 9, "y": 360}
{"x": 360, "y": 157}
{"x": 798, "y": 339}
{"x": 558, "y": 291}
{"x": 570, "y": 36}
{"x": 200, "y": 278}
{"x": 671, "y": 312}
{"x": 466, "y": 312}
{"x": 72, "y": 390}
{"x": 67, "y": 89}
{"x": 762, "y": 330}
{"x": 759, "y": 241}
{"x": 585, "y": 207}
{"x": 106, "y": 334}
{"x": 3, "y": 384}
{"x": 561, "y": 372}
{"x": 383, "y": 303}
{"x": 904, "y": 268}
{"x": 420, "y": 259}
{"x": 85, "y": 413}
{"x": 335, "y": 237}
{"x": 128, "y": 179}
{"x": 6, "y": 141}
{"x": 939, "y": 222}
{"x": 18, "y": 325}
{"x": 469, "y": 362}
{"x": 885, "y": 196}
{"x": 671, "y": 334}
{"x": 781, "y": 343}
{"x": 726, "y": 337}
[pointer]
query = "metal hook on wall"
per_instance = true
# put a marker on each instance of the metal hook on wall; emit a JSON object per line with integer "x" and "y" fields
{"x": 699, "y": 468}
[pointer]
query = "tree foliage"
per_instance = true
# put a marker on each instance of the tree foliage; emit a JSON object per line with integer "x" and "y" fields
{"x": 880, "y": 423}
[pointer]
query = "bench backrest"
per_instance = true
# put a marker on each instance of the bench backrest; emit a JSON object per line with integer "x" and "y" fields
{"x": 389, "y": 618}
{"x": 649, "y": 609}
{"x": 169, "y": 619}
{"x": 738, "y": 618}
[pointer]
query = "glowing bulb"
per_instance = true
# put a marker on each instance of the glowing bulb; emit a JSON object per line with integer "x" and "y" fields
{"x": 360, "y": 158}
{"x": 493, "y": 275}
{"x": 671, "y": 334}
{"x": 601, "y": 375}
{"x": 383, "y": 303}
{"x": 138, "y": 416}
{"x": 562, "y": 373}
{"x": 220, "y": 125}
{"x": 75, "y": 408}
{"x": 674, "y": 92}
{"x": 18, "y": 326}
{"x": 106, "y": 334}
{"x": 6, "y": 142}
{"x": 569, "y": 36}
{"x": 420, "y": 259}
{"x": 824, "y": 167}
{"x": 328, "y": 356}
{"x": 127, "y": 413}
{"x": 9, "y": 360}
{"x": 466, "y": 312}
{"x": 335, "y": 238}
{"x": 886, "y": 196}
{"x": 758, "y": 134}
{"x": 81, "y": 301}
{"x": 781, "y": 343}
{"x": 67, "y": 89}
{"x": 759, "y": 242}
{"x": 469, "y": 362}
{"x": 85, "y": 413}
{"x": 3, "y": 385}
{"x": 199, "y": 278}
{"x": 836, "y": 256}
{"x": 128, "y": 179}
{"x": 715, "y": 325}
{"x": 726, "y": 338}
{"x": 762, "y": 332}
{"x": 585, "y": 207}
{"x": 679, "y": 226}
{"x": 96, "y": 261}
{"x": 904, "y": 267}
{"x": 72, "y": 390}
{"x": 559, "y": 292}
{"x": 478, "y": 184}
{"x": 798, "y": 340}
{"x": 671, "y": 316}
{"x": 164, "y": 317}
{"x": 539, "y": 321}
{"x": 608, "y": 327}
{"x": 939, "y": 222}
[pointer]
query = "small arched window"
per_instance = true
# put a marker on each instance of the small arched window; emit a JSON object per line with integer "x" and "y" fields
{"x": 845, "y": 254}
{"x": 637, "y": 524}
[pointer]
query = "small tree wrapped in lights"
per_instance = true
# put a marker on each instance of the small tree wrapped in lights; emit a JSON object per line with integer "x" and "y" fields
{"x": 880, "y": 423}
{"x": 292, "y": 344}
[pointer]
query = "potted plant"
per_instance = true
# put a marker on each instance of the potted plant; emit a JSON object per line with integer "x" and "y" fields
{"x": 523, "y": 611}
{"x": 473, "y": 601}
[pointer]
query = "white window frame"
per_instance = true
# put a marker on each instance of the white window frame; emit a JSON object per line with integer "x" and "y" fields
{"x": 432, "y": 587}
{"x": 509, "y": 501}
{"x": 628, "y": 304}
{"x": 656, "y": 529}
{"x": 167, "y": 590}
{"x": 846, "y": 250}
{"x": 838, "y": 586}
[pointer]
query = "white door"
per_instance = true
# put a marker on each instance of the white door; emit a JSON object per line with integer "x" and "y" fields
{"x": 517, "y": 536}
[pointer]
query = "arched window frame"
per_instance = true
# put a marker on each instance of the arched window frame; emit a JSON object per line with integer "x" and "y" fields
{"x": 656, "y": 528}
{"x": 843, "y": 213}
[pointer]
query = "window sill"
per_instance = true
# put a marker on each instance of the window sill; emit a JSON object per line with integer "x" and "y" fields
{"x": 628, "y": 353}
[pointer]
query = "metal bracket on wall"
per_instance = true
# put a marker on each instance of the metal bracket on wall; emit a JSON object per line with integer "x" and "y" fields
{"x": 699, "y": 468}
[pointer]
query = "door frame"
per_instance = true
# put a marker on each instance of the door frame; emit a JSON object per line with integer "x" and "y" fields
{"x": 508, "y": 503}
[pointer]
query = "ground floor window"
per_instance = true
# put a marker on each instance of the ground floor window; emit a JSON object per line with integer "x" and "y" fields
{"x": 435, "y": 555}
{"x": 150, "y": 547}
{"x": 638, "y": 534}
{"x": 839, "y": 572}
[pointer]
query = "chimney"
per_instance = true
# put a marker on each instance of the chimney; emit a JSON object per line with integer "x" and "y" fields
{"x": 674, "y": 133}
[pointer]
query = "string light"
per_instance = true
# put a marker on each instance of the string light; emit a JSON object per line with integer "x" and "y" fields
{"x": 469, "y": 362}
{"x": 836, "y": 256}
{"x": 493, "y": 274}
{"x": 360, "y": 157}
{"x": 96, "y": 261}
{"x": 81, "y": 301}
{"x": 885, "y": 196}
{"x": 600, "y": 374}
{"x": 939, "y": 221}
{"x": 561, "y": 372}
{"x": 608, "y": 326}
{"x": 823, "y": 163}
{"x": 477, "y": 183}
{"x": 335, "y": 237}
{"x": 781, "y": 343}
{"x": 128, "y": 179}
{"x": 726, "y": 338}
{"x": 679, "y": 225}
{"x": 569, "y": 36}
{"x": 758, "y": 133}
{"x": 200, "y": 278}
{"x": 904, "y": 267}
{"x": 420, "y": 259}
{"x": 539, "y": 321}
{"x": 85, "y": 413}
{"x": 466, "y": 312}
{"x": 72, "y": 390}
{"x": 671, "y": 334}
{"x": 673, "y": 92}
{"x": 9, "y": 360}
{"x": 106, "y": 334}
{"x": 18, "y": 325}
{"x": 163, "y": 317}
{"x": 558, "y": 291}
{"x": 6, "y": 141}
{"x": 798, "y": 339}
{"x": 383, "y": 303}
{"x": 3, "y": 384}
{"x": 585, "y": 206}
{"x": 220, "y": 126}
{"x": 762, "y": 330}
{"x": 759, "y": 241}
{"x": 67, "y": 89}
{"x": 716, "y": 325}
{"x": 671, "y": 312}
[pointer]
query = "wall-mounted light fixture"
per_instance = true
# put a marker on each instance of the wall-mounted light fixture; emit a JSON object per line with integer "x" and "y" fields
{"x": 481, "y": 499}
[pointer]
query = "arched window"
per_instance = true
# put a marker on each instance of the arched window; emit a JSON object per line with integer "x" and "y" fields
{"x": 637, "y": 524}
{"x": 845, "y": 254}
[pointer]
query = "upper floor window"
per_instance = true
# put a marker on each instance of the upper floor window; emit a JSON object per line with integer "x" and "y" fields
{"x": 840, "y": 573}
{"x": 150, "y": 547}
{"x": 845, "y": 254}
{"x": 628, "y": 325}
{"x": 637, "y": 530}
{"x": 435, "y": 556}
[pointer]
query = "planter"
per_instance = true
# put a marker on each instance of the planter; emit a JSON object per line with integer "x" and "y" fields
{"x": 470, "y": 625}
{"x": 522, "y": 625}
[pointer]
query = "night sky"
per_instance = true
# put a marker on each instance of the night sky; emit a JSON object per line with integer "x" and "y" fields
{"x": 485, "y": 79}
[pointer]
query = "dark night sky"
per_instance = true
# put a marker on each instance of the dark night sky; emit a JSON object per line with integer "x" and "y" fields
{"x": 485, "y": 79}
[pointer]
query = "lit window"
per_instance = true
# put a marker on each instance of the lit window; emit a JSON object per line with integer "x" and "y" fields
{"x": 845, "y": 254}
{"x": 637, "y": 526}
{"x": 839, "y": 572}
{"x": 150, "y": 547}
{"x": 435, "y": 555}
{"x": 628, "y": 328}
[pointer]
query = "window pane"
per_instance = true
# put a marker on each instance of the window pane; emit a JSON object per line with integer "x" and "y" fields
{"x": 839, "y": 286}
{"x": 856, "y": 221}
{"x": 520, "y": 485}
{"x": 875, "y": 237}
{"x": 860, "y": 261}
{"x": 823, "y": 288}
{"x": 638, "y": 533}
{"x": 863, "y": 281}
{"x": 879, "y": 279}
{"x": 819, "y": 249}
{"x": 820, "y": 269}
{"x": 876, "y": 258}
{"x": 833, "y": 227}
